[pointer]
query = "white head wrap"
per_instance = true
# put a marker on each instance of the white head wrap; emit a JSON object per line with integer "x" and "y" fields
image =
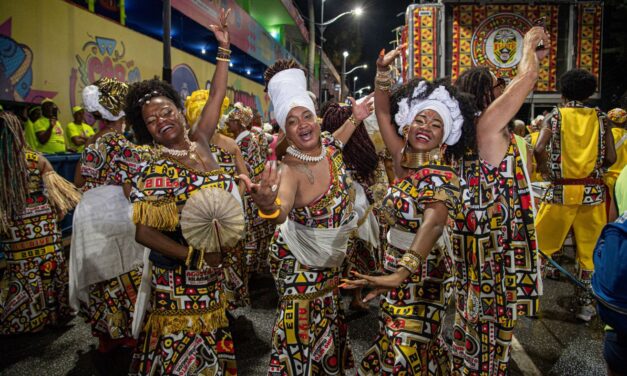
{"x": 288, "y": 89}
{"x": 439, "y": 101}
{"x": 91, "y": 100}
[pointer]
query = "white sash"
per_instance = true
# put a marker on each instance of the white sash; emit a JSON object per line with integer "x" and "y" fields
{"x": 403, "y": 239}
{"x": 368, "y": 229}
{"x": 317, "y": 247}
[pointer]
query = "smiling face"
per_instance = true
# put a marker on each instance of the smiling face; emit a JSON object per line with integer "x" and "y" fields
{"x": 302, "y": 129}
{"x": 164, "y": 121}
{"x": 426, "y": 132}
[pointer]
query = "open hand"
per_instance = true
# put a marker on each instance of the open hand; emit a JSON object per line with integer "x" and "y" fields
{"x": 265, "y": 192}
{"x": 364, "y": 109}
{"x": 221, "y": 31}
{"x": 535, "y": 37}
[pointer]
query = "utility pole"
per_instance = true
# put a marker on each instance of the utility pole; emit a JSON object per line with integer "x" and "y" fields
{"x": 312, "y": 45}
{"x": 167, "y": 42}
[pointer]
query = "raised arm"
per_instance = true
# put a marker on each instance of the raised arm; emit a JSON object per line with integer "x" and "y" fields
{"x": 494, "y": 119}
{"x": 360, "y": 112}
{"x": 393, "y": 142}
{"x": 211, "y": 112}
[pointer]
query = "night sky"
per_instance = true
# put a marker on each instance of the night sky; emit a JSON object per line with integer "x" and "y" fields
{"x": 375, "y": 25}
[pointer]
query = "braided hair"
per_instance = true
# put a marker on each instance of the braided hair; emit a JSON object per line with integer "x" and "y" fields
{"x": 466, "y": 103}
{"x": 359, "y": 152}
{"x": 138, "y": 94}
{"x": 13, "y": 168}
{"x": 478, "y": 82}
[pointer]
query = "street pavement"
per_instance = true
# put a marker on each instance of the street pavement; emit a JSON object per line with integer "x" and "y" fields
{"x": 553, "y": 344}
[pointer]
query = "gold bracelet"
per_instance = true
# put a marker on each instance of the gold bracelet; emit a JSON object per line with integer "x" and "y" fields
{"x": 273, "y": 215}
{"x": 224, "y": 49}
{"x": 353, "y": 120}
{"x": 190, "y": 254}
{"x": 223, "y": 59}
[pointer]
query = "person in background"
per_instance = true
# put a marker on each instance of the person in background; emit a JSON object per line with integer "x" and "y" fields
{"x": 33, "y": 114}
{"x": 78, "y": 132}
{"x": 574, "y": 145}
{"x": 519, "y": 128}
{"x": 618, "y": 118}
{"x": 48, "y": 129}
{"x": 33, "y": 199}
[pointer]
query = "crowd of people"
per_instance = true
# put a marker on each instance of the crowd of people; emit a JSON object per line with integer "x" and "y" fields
{"x": 438, "y": 205}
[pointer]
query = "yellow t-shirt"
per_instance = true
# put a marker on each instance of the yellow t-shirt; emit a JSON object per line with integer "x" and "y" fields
{"x": 620, "y": 191}
{"x": 56, "y": 142}
{"x": 74, "y": 130}
{"x": 29, "y": 135}
{"x": 621, "y": 151}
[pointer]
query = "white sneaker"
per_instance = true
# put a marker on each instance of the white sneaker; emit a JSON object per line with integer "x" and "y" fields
{"x": 586, "y": 312}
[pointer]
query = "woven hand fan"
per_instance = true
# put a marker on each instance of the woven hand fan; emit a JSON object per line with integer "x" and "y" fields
{"x": 211, "y": 219}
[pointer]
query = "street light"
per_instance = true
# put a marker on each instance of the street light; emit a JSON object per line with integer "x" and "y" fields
{"x": 323, "y": 25}
{"x": 345, "y": 55}
{"x": 354, "y": 84}
{"x": 362, "y": 89}
{"x": 365, "y": 66}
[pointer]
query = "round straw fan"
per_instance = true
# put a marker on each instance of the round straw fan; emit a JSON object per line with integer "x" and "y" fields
{"x": 211, "y": 219}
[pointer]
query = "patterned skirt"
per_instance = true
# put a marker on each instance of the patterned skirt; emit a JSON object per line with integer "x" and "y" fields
{"x": 410, "y": 323}
{"x": 259, "y": 233}
{"x": 360, "y": 257}
{"x": 310, "y": 336}
{"x": 34, "y": 285}
{"x": 187, "y": 331}
{"x": 111, "y": 305}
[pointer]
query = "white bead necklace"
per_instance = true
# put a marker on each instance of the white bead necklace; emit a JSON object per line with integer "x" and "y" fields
{"x": 178, "y": 153}
{"x": 296, "y": 153}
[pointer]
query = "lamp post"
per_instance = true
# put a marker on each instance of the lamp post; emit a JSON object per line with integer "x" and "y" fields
{"x": 362, "y": 89}
{"x": 354, "y": 84}
{"x": 323, "y": 25}
{"x": 343, "y": 78}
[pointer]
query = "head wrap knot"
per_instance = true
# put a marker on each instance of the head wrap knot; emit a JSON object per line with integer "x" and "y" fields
{"x": 106, "y": 96}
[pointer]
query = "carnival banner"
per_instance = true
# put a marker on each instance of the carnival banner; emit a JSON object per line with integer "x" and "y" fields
{"x": 589, "y": 27}
{"x": 422, "y": 30}
{"x": 57, "y": 57}
{"x": 492, "y": 36}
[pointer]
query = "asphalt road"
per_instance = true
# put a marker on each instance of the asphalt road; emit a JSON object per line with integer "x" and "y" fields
{"x": 553, "y": 344}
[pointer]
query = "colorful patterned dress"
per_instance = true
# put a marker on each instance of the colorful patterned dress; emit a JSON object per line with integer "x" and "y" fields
{"x": 112, "y": 160}
{"x": 496, "y": 263}
{"x": 235, "y": 273}
{"x": 254, "y": 147}
{"x": 186, "y": 331}
{"x": 310, "y": 336}
{"x": 37, "y": 275}
{"x": 410, "y": 338}
{"x": 361, "y": 256}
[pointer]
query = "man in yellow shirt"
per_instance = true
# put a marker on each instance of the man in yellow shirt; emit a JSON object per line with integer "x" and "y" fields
{"x": 580, "y": 145}
{"x": 78, "y": 132}
{"x": 618, "y": 118}
{"x": 48, "y": 130}
{"x": 34, "y": 113}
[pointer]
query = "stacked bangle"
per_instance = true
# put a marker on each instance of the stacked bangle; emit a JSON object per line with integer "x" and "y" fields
{"x": 353, "y": 120}
{"x": 224, "y": 54}
{"x": 383, "y": 80}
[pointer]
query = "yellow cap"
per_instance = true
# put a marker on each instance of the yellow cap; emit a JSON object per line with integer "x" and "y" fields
{"x": 75, "y": 109}
{"x": 47, "y": 100}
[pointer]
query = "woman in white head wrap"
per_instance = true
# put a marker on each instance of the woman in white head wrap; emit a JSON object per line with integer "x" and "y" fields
{"x": 421, "y": 122}
{"x": 309, "y": 194}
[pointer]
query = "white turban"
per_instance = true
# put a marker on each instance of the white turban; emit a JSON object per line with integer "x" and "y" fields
{"x": 288, "y": 89}
{"x": 439, "y": 101}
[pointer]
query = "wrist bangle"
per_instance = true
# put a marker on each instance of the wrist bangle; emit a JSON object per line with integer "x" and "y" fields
{"x": 273, "y": 215}
{"x": 224, "y": 49}
{"x": 223, "y": 59}
{"x": 201, "y": 260}
{"x": 190, "y": 254}
{"x": 354, "y": 121}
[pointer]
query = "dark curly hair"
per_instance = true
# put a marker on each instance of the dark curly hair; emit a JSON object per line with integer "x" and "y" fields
{"x": 359, "y": 152}
{"x": 577, "y": 84}
{"x": 134, "y": 102}
{"x": 467, "y": 106}
{"x": 278, "y": 66}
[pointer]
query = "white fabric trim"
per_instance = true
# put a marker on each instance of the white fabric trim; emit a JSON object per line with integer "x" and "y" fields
{"x": 288, "y": 89}
{"x": 103, "y": 241}
{"x": 403, "y": 239}
{"x": 317, "y": 247}
{"x": 369, "y": 229}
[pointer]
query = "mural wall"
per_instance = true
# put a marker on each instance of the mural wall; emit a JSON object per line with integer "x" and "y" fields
{"x": 56, "y": 57}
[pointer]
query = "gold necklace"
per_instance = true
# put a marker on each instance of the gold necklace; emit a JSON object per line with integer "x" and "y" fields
{"x": 414, "y": 160}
